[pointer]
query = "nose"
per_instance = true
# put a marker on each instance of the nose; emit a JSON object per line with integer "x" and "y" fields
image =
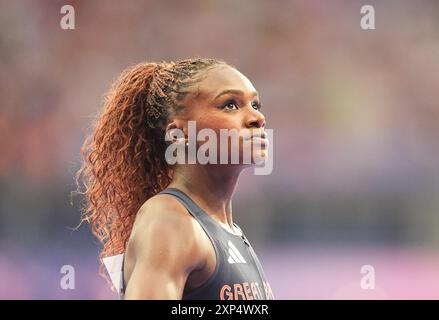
{"x": 256, "y": 121}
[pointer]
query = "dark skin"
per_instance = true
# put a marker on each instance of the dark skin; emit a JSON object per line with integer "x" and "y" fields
{"x": 168, "y": 252}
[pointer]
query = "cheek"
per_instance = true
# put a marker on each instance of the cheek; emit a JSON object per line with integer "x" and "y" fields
{"x": 217, "y": 122}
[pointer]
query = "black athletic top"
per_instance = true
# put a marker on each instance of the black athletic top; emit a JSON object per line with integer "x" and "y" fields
{"x": 238, "y": 274}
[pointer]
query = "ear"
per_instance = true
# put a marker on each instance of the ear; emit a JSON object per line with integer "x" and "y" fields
{"x": 176, "y": 131}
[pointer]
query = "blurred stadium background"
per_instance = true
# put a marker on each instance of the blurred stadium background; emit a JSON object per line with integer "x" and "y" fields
{"x": 356, "y": 125}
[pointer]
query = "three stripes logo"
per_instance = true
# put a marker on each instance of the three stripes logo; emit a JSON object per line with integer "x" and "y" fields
{"x": 234, "y": 255}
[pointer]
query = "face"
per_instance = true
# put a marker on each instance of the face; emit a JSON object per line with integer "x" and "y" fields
{"x": 226, "y": 99}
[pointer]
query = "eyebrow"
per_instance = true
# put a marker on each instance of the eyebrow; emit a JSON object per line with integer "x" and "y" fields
{"x": 234, "y": 91}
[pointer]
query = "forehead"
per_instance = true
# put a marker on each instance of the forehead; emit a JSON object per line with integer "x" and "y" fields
{"x": 222, "y": 78}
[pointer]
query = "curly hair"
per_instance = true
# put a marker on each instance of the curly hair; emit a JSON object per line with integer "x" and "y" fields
{"x": 123, "y": 158}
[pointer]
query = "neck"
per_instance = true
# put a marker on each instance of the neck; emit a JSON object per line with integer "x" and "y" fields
{"x": 211, "y": 187}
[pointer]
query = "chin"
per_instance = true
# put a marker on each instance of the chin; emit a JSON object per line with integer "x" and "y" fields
{"x": 260, "y": 157}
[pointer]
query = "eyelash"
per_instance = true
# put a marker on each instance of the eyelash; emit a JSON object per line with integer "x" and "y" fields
{"x": 256, "y": 105}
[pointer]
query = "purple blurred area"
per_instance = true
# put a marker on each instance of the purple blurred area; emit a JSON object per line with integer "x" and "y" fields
{"x": 355, "y": 116}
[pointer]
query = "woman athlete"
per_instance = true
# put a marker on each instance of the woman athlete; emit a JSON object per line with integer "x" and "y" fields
{"x": 172, "y": 224}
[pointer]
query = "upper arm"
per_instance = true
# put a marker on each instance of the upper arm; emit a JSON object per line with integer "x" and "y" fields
{"x": 166, "y": 250}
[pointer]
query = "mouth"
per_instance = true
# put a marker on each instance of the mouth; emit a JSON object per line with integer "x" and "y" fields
{"x": 259, "y": 139}
{"x": 262, "y": 136}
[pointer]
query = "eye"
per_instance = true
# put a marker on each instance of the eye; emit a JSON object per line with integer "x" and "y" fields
{"x": 230, "y": 105}
{"x": 256, "y": 105}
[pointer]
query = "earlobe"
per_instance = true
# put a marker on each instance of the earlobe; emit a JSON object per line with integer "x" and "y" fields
{"x": 174, "y": 132}
{"x": 176, "y": 124}
{"x": 171, "y": 125}
{"x": 170, "y": 131}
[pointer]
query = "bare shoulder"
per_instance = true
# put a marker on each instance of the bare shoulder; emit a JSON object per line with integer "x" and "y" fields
{"x": 164, "y": 248}
{"x": 163, "y": 226}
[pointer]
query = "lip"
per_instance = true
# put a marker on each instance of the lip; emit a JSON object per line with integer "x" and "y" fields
{"x": 258, "y": 139}
{"x": 262, "y": 136}
{"x": 263, "y": 142}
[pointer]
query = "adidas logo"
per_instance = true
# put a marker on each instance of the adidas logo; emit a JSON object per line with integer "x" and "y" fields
{"x": 234, "y": 255}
